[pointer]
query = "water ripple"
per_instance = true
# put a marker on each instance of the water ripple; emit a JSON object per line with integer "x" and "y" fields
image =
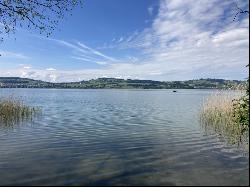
{"x": 107, "y": 137}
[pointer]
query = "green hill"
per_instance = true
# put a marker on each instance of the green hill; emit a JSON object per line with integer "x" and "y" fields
{"x": 113, "y": 83}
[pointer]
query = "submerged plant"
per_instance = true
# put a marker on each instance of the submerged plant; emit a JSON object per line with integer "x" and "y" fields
{"x": 218, "y": 114}
{"x": 13, "y": 110}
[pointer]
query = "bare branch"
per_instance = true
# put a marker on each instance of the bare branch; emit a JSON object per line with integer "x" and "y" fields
{"x": 239, "y": 11}
{"x": 41, "y": 15}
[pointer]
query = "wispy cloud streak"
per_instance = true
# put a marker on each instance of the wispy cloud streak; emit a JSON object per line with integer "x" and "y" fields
{"x": 187, "y": 39}
{"x": 10, "y": 54}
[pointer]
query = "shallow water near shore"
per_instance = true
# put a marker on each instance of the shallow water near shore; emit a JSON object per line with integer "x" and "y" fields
{"x": 116, "y": 137}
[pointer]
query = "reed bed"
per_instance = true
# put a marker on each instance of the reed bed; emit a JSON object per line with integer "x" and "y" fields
{"x": 217, "y": 114}
{"x": 13, "y": 110}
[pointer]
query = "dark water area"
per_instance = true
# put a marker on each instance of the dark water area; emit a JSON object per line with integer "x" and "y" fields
{"x": 116, "y": 137}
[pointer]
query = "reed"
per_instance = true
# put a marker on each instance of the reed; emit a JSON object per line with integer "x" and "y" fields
{"x": 218, "y": 114}
{"x": 13, "y": 110}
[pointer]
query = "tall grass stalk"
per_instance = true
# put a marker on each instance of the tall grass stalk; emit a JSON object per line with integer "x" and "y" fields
{"x": 217, "y": 114}
{"x": 13, "y": 110}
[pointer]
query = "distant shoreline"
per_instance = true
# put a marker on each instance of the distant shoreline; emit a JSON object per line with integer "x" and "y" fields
{"x": 116, "y": 88}
{"x": 113, "y": 83}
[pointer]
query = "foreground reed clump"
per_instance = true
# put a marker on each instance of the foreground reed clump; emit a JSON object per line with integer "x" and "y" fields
{"x": 218, "y": 114}
{"x": 13, "y": 110}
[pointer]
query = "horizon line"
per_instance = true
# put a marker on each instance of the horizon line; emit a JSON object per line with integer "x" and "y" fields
{"x": 128, "y": 79}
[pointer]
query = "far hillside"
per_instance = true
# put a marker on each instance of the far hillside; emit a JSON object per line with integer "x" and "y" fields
{"x": 113, "y": 83}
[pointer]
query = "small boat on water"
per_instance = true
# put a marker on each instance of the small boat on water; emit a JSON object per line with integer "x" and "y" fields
{"x": 174, "y": 90}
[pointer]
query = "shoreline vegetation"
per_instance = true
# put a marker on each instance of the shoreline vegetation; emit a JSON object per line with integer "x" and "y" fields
{"x": 14, "y": 111}
{"x": 227, "y": 114}
{"x": 114, "y": 83}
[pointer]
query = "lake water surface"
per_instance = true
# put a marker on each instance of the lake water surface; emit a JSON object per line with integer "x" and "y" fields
{"x": 116, "y": 137}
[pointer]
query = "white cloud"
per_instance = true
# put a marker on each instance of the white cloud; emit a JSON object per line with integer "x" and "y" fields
{"x": 101, "y": 62}
{"x": 191, "y": 38}
{"x": 150, "y": 10}
{"x": 89, "y": 60}
{"x": 52, "y": 77}
{"x": 85, "y": 53}
{"x": 231, "y": 36}
{"x": 50, "y": 69}
{"x": 26, "y": 67}
{"x": 10, "y": 54}
{"x": 187, "y": 39}
{"x": 120, "y": 40}
{"x": 95, "y": 52}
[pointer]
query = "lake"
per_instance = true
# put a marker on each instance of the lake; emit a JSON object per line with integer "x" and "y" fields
{"x": 116, "y": 137}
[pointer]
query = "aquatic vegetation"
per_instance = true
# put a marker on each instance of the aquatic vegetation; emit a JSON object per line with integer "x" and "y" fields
{"x": 13, "y": 110}
{"x": 218, "y": 114}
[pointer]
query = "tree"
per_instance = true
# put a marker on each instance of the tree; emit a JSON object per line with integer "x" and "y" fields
{"x": 241, "y": 106}
{"x": 42, "y": 15}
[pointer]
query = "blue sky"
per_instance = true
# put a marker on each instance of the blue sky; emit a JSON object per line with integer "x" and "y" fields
{"x": 138, "y": 39}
